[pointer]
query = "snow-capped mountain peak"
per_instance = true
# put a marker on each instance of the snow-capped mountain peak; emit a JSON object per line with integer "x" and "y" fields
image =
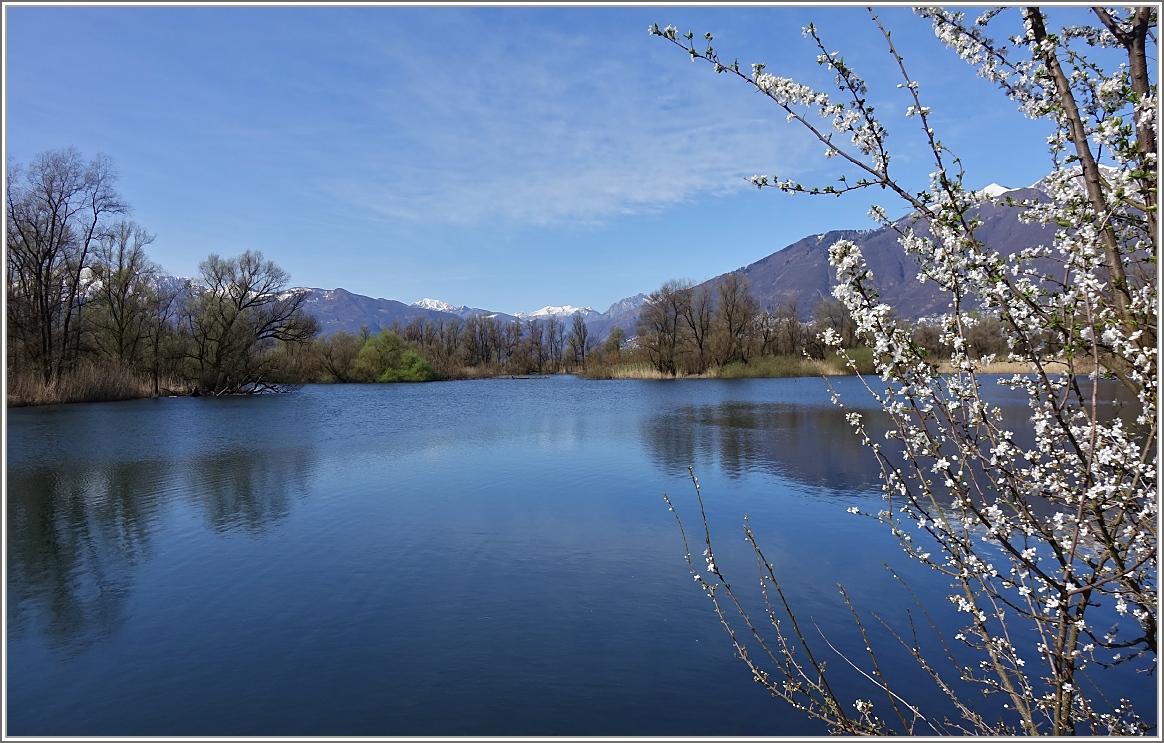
{"x": 434, "y": 304}
{"x": 994, "y": 190}
{"x": 563, "y": 311}
{"x": 626, "y": 305}
{"x": 1077, "y": 171}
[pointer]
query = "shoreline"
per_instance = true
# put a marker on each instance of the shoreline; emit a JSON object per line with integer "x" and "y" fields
{"x": 640, "y": 372}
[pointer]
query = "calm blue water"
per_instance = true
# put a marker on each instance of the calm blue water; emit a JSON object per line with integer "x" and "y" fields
{"x": 469, "y": 558}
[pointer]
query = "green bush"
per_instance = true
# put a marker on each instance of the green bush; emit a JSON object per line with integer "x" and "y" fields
{"x": 411, "y": 368}
{"x": 384, "y": 358}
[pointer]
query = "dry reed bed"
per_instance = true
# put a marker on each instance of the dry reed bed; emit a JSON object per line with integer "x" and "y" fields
{"x": 764, "y": 367}
{"x": 1007, "y": 367}
{"x": 88, "y": 382}
{"x": 794, "y": 366}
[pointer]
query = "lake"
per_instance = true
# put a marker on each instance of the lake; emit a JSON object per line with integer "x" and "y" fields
{"x": 486, "y": 557}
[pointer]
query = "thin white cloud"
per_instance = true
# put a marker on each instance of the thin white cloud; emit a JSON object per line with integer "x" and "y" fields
{"x": 549, "y": 133}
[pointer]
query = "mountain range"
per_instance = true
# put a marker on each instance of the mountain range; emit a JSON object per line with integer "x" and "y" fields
{"x": 339, "y": 309}
{"x": 800, "y": 270}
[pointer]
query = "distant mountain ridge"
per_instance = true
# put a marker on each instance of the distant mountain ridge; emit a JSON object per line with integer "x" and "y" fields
{"x": 623, "y": 313}
{"x": 799, "y": 271}
{"x": 464, "y": 311}
{"x": 436, "y": 304}
{"x": 802, "y": 271}
{"x": 339, "y": 309}
{"x": 563, "y": 311}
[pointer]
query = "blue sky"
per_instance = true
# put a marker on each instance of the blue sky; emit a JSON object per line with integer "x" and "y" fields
{"x": 500, "y": 157}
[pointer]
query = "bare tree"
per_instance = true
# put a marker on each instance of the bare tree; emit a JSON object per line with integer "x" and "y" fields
{"x": 234, "y": 321}
{"x": 414, "y": 330}
{"x": 450, "y": 341}
{"x": 337, "y": 355}
{"x": 481, "y": 339}
{"x": 735, "y": 313}
{"x": 55, "y": 212}
{"x": 123, "y": 278}
{"x": 164, "y": 300}
{"x": 660, "y": 326}
{"x": 613, "y": 345}
{"x": 533, "y": 349}
{"x": 511, "y": 340}
{"x": 579, "y": 339}
{"x": 554, "y": 342}
{"x": 789, "y": 331}
{"x": 831, "y": 314}
{"x": 697, "y": 315}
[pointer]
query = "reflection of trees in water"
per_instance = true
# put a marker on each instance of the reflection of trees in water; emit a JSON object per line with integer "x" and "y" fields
{"x": 75, "y": 536}
{"x": 249, "y": 489}
{"x": 816, "y": 445}
{"x": 813, "y": 445}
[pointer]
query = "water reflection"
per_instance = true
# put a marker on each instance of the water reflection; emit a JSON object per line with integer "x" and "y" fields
{"x": 77, "y": 534}
{"x": 250, "y": 490}
{"x": 74, "y": 539}
{"x": 243, "y": 566}
{"x": 812, "y": 445}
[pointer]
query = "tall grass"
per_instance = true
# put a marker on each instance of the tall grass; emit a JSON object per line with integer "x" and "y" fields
{"x": 1006, "y": 367}
{"x": 88, "y": 382}
{"x": 450, "y": 372}
{"x": 776, "y": 366}
{"x": 634, "y": 370}
{"x": 760, "y": 367}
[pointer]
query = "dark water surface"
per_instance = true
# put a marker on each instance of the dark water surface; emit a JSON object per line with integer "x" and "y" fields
{"x": 469, "y": 558}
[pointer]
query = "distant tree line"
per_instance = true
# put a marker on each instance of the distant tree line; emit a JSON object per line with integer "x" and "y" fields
{"x": 452, "y": 347}
{"x": 684, "y": 329}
